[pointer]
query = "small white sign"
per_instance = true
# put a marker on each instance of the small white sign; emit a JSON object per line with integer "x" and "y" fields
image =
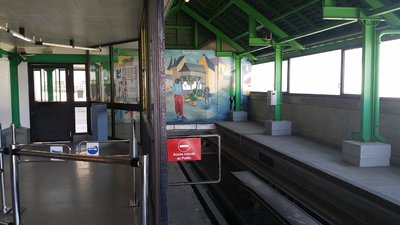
{"x": 92, "y": 149}
{"x": 56, "y": 149}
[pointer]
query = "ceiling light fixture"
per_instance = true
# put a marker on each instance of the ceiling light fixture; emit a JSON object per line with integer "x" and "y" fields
{"x": 88, "y": 49}
{"x": 22, "y": 37}
{"x": 56, "y": 45}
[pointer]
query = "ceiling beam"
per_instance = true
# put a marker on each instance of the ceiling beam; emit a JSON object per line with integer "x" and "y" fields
{"x": 220, "y": 11}
{"x": 316, "y": 31}
{"x": 296, "y": 10}
{"x": 303, "y": 6}
{"x": 213, "y": 29}
{"x": 304, "y": 18}
{"x": 390, "y": 18}
{"x": 384, "y": 10}
{"x": 342, "y": 13}
{"x": 276, "y": 13}
{"x": 172, "y": 11}
{"x": 266, "y": 22}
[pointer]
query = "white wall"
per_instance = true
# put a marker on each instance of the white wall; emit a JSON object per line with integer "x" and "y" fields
{"x": 5, "y": 93}
{"x": 23, "y": 94}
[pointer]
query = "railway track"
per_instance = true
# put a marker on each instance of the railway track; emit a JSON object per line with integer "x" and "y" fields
{"x": 234, "y": 202}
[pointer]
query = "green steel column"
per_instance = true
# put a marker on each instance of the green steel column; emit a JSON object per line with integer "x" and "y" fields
{"x": 278, "y": 82}
{"x": 14, "y": 62}
{"x": 375, "y": 94}
{"x": 367, "y": 97}
{"x": 238, "y": 83}
{"x": 50, "y": 84}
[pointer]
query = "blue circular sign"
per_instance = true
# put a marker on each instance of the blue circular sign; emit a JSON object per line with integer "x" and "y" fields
{"x": 93, "y": 150}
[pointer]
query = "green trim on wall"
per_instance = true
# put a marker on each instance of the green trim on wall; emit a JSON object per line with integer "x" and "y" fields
{"x": 14, "y": 60}
{"x": 65, "y": 58}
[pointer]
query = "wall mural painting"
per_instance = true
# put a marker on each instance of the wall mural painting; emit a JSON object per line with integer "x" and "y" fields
{"x": 198, "y": 85}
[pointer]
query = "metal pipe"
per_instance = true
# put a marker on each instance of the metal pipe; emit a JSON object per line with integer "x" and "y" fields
{"x": 46, "y": 144}
{"x": 4, "y": 208}
{"x": 133, "y": 154}
{"x": 67, "y": 156}
{"x": 14, "y": 180}
{"x": 145, "y": 188}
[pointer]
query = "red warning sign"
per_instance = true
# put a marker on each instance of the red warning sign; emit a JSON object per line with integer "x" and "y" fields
{"x": 184, "y": 149}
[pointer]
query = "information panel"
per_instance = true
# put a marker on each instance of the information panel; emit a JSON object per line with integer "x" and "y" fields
{"x": 184, "y": 149}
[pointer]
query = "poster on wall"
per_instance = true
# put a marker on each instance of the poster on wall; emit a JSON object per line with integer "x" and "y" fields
{"x": 197, "y": 85}
{"x": 126, "y": 78}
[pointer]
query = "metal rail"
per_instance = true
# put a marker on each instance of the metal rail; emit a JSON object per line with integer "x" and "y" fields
{"x": 108, "y": 141}
{"x": 49, "y": 144}
{"x": 142, "y": 162}
{"x": 219, "y": 161}
{"x": 133, "y": 153}
{"x": 4, "y": 208}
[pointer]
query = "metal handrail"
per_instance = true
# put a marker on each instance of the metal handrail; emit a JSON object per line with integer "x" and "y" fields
{"x": 16, "y": 152}
{"x": 49, "y": 144}
{"x": 4, "y": 208}
{"x": 219, "y": 161}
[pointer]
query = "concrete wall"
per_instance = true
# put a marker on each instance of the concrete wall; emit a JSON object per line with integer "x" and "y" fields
{"x": 5, "y": 93}
{"x": 329, "y": 119}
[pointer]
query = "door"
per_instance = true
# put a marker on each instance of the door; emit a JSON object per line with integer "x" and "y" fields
{"x": 50, "y": 102}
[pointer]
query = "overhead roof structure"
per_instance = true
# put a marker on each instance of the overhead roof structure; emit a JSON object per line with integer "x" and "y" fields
{"x": 252, "y": 27}
{"x": 86, "y": 22}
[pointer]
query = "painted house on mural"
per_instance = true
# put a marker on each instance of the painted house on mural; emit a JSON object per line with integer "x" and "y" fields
{"x": 194, "y": 75}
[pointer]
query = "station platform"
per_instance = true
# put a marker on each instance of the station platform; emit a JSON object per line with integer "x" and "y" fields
{"x": 315, "y": 163}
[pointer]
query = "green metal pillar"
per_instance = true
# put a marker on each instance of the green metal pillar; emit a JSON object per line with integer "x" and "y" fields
{"x": 14, "y": 60}
{"x": 367, "y": 98}
{"x": 238, "y": 83}
{"x": 278, "y": 82}
{"x": 50, "y": 84}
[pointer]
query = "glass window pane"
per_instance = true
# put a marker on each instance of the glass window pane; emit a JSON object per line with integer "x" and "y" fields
{"x": 262, "y": 77}
{"x": 79, "y": 84}
{"x": 81, "y": 120}
{"x": 352, "y": 71}
{"x": 50, "y": 85}
{"x": 100, "y": 83}
{"x": 316, "y": 74}
{"x": 284, "y": 75}
{"x": 124, "y": 121}
{"x": 59, "y": 86}
{"x": 37, "y": 77}
{"x": 389, "y": 69}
